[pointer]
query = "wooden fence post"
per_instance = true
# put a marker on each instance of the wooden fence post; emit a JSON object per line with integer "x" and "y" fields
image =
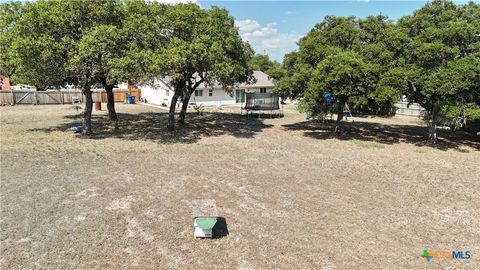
{"x": 13, "y": 97}
{"x": 36, "y": 98}
{"x": 61, "y": 97}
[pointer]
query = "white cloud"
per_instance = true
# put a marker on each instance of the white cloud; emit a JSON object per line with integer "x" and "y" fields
{"x": 281, "y": 41}
{"x": 268, "y": 38}
{"x": 264, "y": 31}
{"x": 247, "y": 25}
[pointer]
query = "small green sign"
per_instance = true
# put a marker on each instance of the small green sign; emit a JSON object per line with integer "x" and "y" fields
{"x": 206, "y": 223}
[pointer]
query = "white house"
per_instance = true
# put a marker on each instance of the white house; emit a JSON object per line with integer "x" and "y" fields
{"x": 160, "y": 92}
{"x": 22, "y": 87}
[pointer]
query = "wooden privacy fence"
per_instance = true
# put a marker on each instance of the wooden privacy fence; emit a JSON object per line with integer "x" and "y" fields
{"x": 63, "y": 97}
{"x": 119, "y": 95}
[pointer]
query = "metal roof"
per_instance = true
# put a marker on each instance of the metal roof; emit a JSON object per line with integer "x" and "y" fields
{"x": 262, "y": 80}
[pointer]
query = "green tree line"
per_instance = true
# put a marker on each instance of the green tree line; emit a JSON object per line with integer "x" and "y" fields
{"x": 432, "y": 57}
{"x": 57, "y": 42}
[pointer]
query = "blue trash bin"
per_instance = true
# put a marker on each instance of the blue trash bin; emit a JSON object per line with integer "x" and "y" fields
{"x": 131, "y": 99}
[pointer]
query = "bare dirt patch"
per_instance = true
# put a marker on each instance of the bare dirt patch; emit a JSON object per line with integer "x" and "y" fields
{"x": 293, "y": 195}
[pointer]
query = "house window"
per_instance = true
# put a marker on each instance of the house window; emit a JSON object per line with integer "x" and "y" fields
{"x": 167, "y": 92}
{"x": 210, "y": 92}
{"x": 198, "y": 93}
{"x": 263, "y": 90}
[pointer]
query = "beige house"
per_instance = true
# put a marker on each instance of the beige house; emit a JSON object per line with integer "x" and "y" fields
{"x": 160, "y": 92}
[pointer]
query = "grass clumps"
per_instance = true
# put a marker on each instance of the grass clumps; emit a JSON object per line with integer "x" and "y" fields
{"x": 368, "y": 145}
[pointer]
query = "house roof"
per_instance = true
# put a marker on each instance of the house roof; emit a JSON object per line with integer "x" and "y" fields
{"x": 262, "y": 81}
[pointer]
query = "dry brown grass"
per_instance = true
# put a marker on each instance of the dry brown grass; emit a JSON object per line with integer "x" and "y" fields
{"x": 293, "y": 195}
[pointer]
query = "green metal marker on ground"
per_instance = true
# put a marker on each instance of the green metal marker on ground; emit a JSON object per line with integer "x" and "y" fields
{"x": 205, "y": 217}
{"x": 206, "y": 223}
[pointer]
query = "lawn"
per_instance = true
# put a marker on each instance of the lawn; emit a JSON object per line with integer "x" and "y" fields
{"x": 292, "y": 193}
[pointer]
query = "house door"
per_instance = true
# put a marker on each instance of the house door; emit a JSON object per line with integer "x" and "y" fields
{"x": 240, "y": 95}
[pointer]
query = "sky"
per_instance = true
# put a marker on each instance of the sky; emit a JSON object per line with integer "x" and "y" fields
{"x": 274, "y": 27}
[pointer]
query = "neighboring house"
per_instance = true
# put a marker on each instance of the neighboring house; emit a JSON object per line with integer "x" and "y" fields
{"x": 4, "y": 84}
{"x": 24, "y": 87}
{"x": 403, "y": 108}
{"x": 157, "y": 92}
{"x": 160, "y": 92}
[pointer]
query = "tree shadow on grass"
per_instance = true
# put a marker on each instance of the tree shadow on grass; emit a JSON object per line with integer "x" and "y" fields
{"x": 153, "y": 126}
{"x": 387, "y": 134}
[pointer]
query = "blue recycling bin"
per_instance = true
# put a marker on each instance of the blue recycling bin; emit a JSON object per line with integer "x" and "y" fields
{"x": 131, "y": 99}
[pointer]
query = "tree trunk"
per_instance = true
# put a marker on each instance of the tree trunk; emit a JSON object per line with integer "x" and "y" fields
{"x": 87, "y": 114}
{"x": 432, "y": 127}
{"x": 171, "y": 112}
{"x": 185, "y": 100}
{"x": 112, "y": 114}
{"x": 340, "y": 110}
